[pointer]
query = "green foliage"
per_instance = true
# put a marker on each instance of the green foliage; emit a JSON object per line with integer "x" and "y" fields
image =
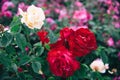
{"x": 21, "y": 41}
{"x": 5, "y": 39}
{"x": 36, "y": 66}
{"x": 21, "y": 48}
{"x": 15, "y": 25}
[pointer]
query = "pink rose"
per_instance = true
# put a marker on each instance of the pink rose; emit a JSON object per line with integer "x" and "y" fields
{"x": 110, "y": 42}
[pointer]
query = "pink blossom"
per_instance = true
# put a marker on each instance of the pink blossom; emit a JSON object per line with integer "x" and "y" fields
{"x": 115, "y": 9}
{"x": 7, "y": 14}
{"x": 52, "y": 23}
{"x": 116, "y": 24}
{"x": 82, "y": 15}
{"x": 53, "y": 27}
{"x": 57, "y": 10}
{"x": 4, "y": 9}
{"x": 109, "y": 2}
{"x": 110, "y": 42}
{"x": 50, "y": 20}
{"x": 42, "y": 3}
{"x": 63, "y": 14}
{"x": 6, "y": 5}
{"x": 47, "y": 11}
{"x": 78, "y": 4}
{"x": 115, "y": 17}
{"x": 26, "y": 49}
{"x": 117, "y": 78}
{"x": 22, "y": 6}
{"x": 110, "y": 9}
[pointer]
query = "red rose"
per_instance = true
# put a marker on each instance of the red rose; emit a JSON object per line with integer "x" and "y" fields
{"x": 82, "y": 42}
{"x": 65, "y": 33}
{"x": 43, "y": 36}
{"x": 61, "y": 62}
{"x": 59, "y": 43}
{"x": 62, "y": 41}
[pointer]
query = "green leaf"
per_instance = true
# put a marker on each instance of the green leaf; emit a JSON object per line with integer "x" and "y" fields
{"x": 39, "y": 51}
{"x": 21, "y": 41}
{"x": 16, "y": 29}
{"x": 10, "y": 50}
{"x": 15, "y": 21}
{"x": 47, "y": 46}
{"x": 96, "y": 75}
{"x": 26, "y": 30}
{"x": 14, "y": 66}
{"x": 24, "y": 59}
{"x": 53, "y": 38}
{"x": 104, "y": 57}
{"x": 15, "y": 26}
{"x": 28, "y": 77}
{"x": 51, "y": 78}
{"x": 101, "y": 51}
{"x": 6, "y": 39}
{"x": 38, "y": 44}
{"x": 83, "y": 71}
{"x": 36, "y": 66}
{"x": 4, "y": 59}
{"x": 107, "y": 78}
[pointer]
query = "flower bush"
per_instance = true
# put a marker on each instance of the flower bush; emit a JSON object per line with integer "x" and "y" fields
{"x": 59, "y": 40}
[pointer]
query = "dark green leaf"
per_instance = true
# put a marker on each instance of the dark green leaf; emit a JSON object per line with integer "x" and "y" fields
{"x": 47, "y": 46}
{"x": 51, "y": 78}
{"x": 21, "y": 41}
{"x": 15, "y": 22}
{"x": 14, "y": 66}
{"x": 6, "y": 39}
{"x": 83, "y": 71}
{"x": 96, "y": 76}
{"x": 16, "y": 29}
{"x": 36, "y": 66}
{"x": 39, "y": 44}
{"x": 104, "y": 57}
{"x": 10, "y": 49}
{"x": 4, "y": 59}
{"x": 39, "y": 51}
{"x": 24, "y": 59}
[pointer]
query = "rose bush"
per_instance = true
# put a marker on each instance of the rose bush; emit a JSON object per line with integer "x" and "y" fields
{"x": 59, "y": 40}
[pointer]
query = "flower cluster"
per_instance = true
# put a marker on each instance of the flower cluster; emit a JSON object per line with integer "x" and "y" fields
{"x": 5, "y": 9}
{"x": 113, "y": 10}
{"x": 77, "y": 43}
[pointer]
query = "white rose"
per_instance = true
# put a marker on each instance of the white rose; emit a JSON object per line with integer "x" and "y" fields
{"x": 98, "y": 65}
{"x": 33, "y": 17}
